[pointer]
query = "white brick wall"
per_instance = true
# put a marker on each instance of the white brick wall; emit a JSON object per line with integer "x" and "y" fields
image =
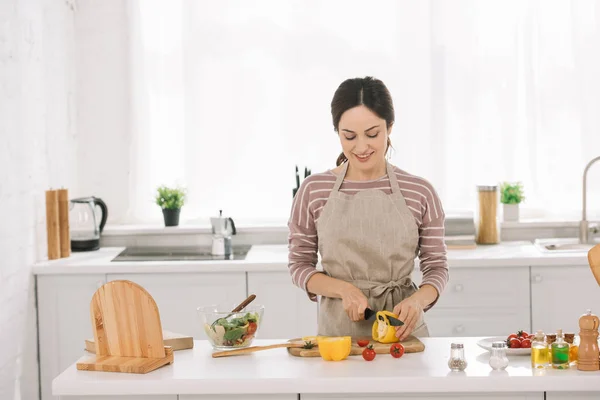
{"x": 37, "y": 151}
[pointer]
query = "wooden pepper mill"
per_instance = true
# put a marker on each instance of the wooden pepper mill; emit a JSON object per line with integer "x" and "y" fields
{"x": 589, "y": 356}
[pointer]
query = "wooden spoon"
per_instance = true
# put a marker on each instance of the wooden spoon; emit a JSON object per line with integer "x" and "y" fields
{"x": 594, "y": 260}
{"x": 252, "y": 349}
{"x": 239, "y": 308}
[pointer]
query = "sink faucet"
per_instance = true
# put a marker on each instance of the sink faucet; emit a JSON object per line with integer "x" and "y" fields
{"x": 584, "y": 228}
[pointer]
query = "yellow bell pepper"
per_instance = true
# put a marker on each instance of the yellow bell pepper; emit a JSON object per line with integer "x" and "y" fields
{"x": 382, "y": 331}
{"x": 335, "y": 348}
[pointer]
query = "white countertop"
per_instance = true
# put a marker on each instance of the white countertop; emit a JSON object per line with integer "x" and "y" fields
{"x": 275, "y": 258}
{"x": 275, "y": 371}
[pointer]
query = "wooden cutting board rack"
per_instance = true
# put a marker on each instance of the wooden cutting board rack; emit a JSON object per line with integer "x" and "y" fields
{"x": 128, "y": 335}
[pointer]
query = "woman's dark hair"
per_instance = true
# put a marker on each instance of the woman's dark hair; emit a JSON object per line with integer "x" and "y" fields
{"x": 367, "y": 91}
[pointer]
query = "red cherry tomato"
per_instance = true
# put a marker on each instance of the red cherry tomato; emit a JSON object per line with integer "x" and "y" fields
{"x": 397, "y": 350}
{"x": 362, "y": 343}
{"x": 368, "y": 353}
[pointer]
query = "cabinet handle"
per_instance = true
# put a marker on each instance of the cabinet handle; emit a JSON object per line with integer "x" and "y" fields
{"x": 537, "y": 278}
{"x": 458, "y": 287}
{"x": 459, "y": 329}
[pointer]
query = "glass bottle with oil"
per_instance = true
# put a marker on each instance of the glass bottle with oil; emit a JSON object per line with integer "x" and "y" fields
{"x": 560, "y": 352}
{"x": 550, "y": 338}
{"x": 539, "y": 351}
{"x": 573, "y": 348}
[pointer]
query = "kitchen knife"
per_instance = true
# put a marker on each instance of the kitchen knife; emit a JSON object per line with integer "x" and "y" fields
{"x": 393, "y": 321}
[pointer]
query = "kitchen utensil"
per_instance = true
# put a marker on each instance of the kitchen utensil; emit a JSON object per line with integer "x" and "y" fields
{"x": 393, "y": 321}
{"x": 240, "y": 307}
{"x": 487, "y": 343}
{"x": 174, "y": 340}
{"x": 222, "y": 230}
{"x": 252, "y": 349}
{"x": 594, "y": 261}
{"x": 85, "y": 226}
{"x": 52, "y": 225}
{"x": 226, "y": 330}
{"x": 411, "y": 345}
{"x": 127, "y": 331}
{"x": 588, "y": 352}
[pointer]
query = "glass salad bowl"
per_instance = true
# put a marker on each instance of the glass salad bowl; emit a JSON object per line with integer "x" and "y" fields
{"x": 228, "y": 330}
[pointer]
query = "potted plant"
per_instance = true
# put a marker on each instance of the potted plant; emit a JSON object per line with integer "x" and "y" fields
{"x": 170, "y": 201}
{"x": 511, "y": 195}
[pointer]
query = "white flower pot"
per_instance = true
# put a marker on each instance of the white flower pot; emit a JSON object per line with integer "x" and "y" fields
{"x": 511, "y": 212}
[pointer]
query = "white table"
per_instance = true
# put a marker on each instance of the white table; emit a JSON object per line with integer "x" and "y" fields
{"x": 275, "y": 375}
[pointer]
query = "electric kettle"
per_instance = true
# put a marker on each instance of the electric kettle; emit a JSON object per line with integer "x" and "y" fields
{"x": 222, "y": 229}
{"x": 85, "y": 226}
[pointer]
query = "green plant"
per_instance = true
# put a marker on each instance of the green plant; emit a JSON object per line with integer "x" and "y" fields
{"x": 170, "y": 198}
{"x": 511, "y": 193}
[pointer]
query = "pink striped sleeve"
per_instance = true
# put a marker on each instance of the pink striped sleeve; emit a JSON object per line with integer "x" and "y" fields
{"x": 432, "y": 246}
{"x": 302, "y": 240}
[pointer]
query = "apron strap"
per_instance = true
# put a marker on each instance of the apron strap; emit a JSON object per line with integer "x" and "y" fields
{"x": 340, "y": 178}
{"x": 392, "y": 175}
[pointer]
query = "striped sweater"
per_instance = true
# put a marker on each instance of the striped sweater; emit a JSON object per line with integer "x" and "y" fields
{"x": 421, "y": 198}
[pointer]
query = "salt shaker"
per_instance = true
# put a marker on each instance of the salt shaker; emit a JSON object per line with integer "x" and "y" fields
{"x": 498, "y": 359}
{"x": 457, "y": 360}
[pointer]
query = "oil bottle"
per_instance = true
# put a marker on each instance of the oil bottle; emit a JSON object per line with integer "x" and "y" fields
{"x": 560, "y": 352}
{"x": 539, "y": 351}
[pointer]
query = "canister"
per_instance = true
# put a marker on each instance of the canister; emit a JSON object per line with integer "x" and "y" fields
{"x": 487, "y": 224}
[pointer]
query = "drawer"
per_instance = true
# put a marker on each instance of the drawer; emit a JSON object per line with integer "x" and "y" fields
{"x": 477, "y": 322}
{"x": 506, "y": 287}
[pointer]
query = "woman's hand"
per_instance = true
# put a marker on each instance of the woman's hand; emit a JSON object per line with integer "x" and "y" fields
{"x": 408, "y": 311}
{"x": 354, "y": 302}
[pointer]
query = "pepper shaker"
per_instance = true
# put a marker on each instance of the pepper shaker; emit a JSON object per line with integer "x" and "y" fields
{"x": 457, "y": 360}
{"x": 498, "y": 359}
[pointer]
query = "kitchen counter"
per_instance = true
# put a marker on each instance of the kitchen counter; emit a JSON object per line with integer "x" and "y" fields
{"x": 275, "y": 258}
{"x": 195, "y": 372}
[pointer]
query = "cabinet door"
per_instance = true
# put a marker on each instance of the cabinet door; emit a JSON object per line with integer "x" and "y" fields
{"x": 560, "y": 295}
{"x": 289, "y": 313}
{"x": 293, "y": 396}
{"x": 427, "y": 396}
{"x": 64, "y": 322}
{"x": 124, "y": 397}
{"x": 572, "y": 396}
{"x": 481, "y": 302}
{"x": 178, "y": 295}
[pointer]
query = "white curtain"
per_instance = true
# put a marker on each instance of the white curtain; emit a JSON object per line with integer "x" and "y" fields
{"x": 230, "y": 96}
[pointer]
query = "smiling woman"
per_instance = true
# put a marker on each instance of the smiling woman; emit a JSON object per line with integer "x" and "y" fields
{"x": 368, "y": 219}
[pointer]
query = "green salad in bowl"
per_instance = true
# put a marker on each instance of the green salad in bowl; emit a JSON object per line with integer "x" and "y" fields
{"x": 230, "y": 330}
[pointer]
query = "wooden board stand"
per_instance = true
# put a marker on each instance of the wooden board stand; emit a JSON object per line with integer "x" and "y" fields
{"x": 127, "y": 331}
{"x": 411, "y": 345}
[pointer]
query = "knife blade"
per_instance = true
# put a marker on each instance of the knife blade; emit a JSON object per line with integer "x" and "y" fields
{"x": 393, "y": 321}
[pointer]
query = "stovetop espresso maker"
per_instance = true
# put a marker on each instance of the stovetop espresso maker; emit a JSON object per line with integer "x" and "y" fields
{"x": 222, "y": 230}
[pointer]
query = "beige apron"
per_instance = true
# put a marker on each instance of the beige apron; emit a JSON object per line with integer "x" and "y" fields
{"x": 369, "y": 239}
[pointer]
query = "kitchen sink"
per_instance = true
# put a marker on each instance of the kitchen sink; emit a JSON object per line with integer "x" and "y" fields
{"x": 177, "y": 253}
{"x": 564, "y": 245}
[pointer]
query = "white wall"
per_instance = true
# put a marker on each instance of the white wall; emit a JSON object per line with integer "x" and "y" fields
{"x": 37, "y": 151}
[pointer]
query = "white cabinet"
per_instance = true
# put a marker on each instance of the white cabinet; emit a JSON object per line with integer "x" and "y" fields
{"x": 177, "y": 295}
{"x": 239, "y": 397}
{"x": 572, "y": 396}
{"x": 560, "y": 295}
{"x": 481, "y": 302}
{"x": 140, "y": 397}
{"x": 289, "y": 313}
{"x": 427, "y": 396}
{"x": 64, "y": 322}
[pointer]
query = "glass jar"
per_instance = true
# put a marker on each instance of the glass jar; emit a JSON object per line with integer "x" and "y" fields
{"x": 487, "y": 222}
{"x": 457, "y": 360}
{"x": 498, "y": 358}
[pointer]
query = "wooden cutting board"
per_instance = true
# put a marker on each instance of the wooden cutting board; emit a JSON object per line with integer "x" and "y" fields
{"x": 411, "y": 345}
{"x": 175, "y": 340}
